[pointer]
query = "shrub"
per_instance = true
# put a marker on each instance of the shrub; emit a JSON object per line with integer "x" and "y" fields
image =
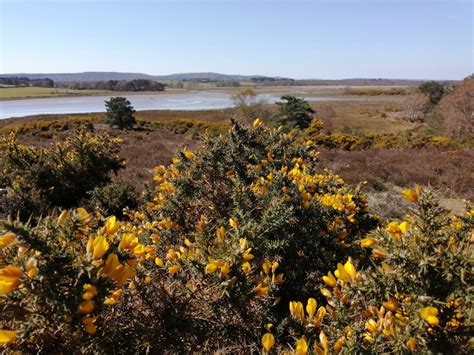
{"x": 409, "y": 294}
{"x": 236, "y": 235}
{"x": 375, "y": 91}
{"x": 233, "y": 232}
{"x": 113, "y": 198}
{"x": 37, "y": 179}
{"x": 295, "y": 112}
{"x": 434, "y": 90}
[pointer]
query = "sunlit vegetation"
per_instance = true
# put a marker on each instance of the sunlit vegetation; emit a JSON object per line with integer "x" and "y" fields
{"x": 376, "y": 91}
{"x": 244, "y": 244}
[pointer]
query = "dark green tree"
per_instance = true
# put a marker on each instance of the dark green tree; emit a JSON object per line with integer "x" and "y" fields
{"x": 433, "y": 90}
{"x": 120, "y": 112}
{"x": 295, "y": 112}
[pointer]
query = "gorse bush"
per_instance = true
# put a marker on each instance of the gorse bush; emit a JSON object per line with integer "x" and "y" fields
{"x": 413, "y": 292}
{"x": 36, "y": 178}
{"x": 235, "y": 238}
{"x": 113, "y": 198}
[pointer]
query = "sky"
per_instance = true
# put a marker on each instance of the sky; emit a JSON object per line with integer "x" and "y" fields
{"x": 332, "y": 39}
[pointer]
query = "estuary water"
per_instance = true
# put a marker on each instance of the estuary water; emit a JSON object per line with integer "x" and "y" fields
{"x": 193, "y": 100}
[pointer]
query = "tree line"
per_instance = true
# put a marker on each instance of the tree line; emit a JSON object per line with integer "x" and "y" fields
{"x": 111, "y": 85}
{"x": 115, "y": 85}
{"x": 23, "y": 81}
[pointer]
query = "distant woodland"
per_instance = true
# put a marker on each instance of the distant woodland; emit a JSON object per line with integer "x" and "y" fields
{"x": 111, "y": 85}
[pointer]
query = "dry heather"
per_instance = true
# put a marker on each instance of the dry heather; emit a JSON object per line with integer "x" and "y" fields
{"x": 450, "y": 172}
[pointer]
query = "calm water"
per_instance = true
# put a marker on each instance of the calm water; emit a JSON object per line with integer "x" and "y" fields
{"x": 193, "y": 100}
{"x": 198, "y": 100}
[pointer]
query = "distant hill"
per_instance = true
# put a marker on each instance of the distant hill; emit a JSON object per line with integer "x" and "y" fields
{"x": 86, "y": 76}
{"x": 104, "y": 76}
{"x": 360, "y": 82}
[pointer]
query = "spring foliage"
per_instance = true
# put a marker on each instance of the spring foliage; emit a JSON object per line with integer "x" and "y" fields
{"x": 246, "y": 245}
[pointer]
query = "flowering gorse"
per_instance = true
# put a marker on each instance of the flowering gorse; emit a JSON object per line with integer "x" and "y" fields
{"x": 245, "y": 245}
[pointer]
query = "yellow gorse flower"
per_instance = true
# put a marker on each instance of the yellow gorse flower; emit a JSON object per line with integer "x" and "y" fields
{"x": 346, "y": 272}
{"x": 7, "y": 336}
{"x": 326, "y": 293}
{"x": 174, "y": 269}
{"x": 301, "y": 346}
{"x": 311, "y": 307}
{"x": 111, "y": 225}
{"x": 112, "y": 299}
{"x": 234, "y": 223}
{"x": 90, "y": 291}
{"x": 261, "y": 289}
{"x": 159, "y": 262}
{"x": 97, "y": 247}
{"x": 268, "y": 340}
{"x": 89, "y": 325}
{"x": 6, "y": 239}
{"x": 213, "y": 265}
{"x": 256, "y": 123}
{"x": 243, "y": 244}
{"x": 339, "y": 344}
{"x": 62, "y": 217}
{"x": 247, "y": 255}
{"x": 330, "y": 280}
{"x": 225, "y": 269}
{"x": 86, "y": 307}
{"x": 411, "y": 344}
{"x": 220, "y": 234}
{"x": 368, "y": 242}
{"x": 9, "y": 279}
{"x": 323, "y": 347}
{"x": 266, "y": 266}
{"x": 297, "y": 311}
{"x": 410, "y": 195}
{"x": 246, "y": 267}
{"x": 83, "y": 216}
{"x": 430, "y": 314}
{"x": 391, "y": 304}
{"x": 188, "y": 154}
{"x": 128, "y": 242}
{"x": 31, "y": 267}
{"x": 116, "y": 271}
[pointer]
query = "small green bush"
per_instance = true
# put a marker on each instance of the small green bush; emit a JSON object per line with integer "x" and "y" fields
{"x": 113, "y": 198}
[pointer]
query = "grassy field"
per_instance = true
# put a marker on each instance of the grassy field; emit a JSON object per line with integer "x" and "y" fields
{"x": 34, "y": 92}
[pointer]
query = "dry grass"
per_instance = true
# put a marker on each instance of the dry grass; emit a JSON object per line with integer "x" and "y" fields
{"x": 33, "y": 92}
{"x": 366, "y": 117}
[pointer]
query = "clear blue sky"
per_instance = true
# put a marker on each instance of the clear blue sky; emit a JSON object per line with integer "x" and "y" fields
{"x": 419, "y": 39}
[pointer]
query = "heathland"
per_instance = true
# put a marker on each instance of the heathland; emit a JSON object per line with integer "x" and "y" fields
{"x": 342, "y": 225}
{"x": 380, "y": 135}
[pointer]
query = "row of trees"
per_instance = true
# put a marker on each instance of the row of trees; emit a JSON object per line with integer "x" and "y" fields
{"x": 23, "y": 81}
{"x": 117, "y": 85}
